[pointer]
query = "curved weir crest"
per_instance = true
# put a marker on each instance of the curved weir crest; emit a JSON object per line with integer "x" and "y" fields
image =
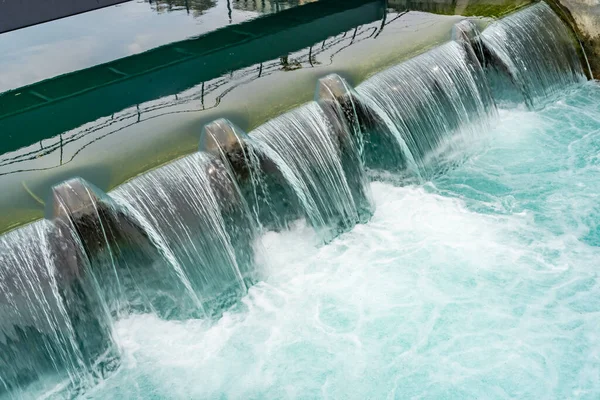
{"x": 534, "y": 51}
{"x": 179, "y": 241}
{"x": 426, "y": 99}
{"x": 226, "y": 141}
{"x": 194, "y": 212}
{"x": 112, "y": 243}
{"x": 321, "y": 164}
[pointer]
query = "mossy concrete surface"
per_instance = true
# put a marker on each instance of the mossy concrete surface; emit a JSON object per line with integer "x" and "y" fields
{"x": 467, "y": 8}
{"x": 583, "y": 16}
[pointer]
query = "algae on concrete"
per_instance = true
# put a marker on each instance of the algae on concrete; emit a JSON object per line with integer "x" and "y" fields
{"x": 583, "y": 16}
{"x": 466, "y": 8}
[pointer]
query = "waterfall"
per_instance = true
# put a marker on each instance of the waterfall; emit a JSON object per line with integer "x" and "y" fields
{"x": 427, "y": 98}
{"x": 45, "y": 307}
{"x": 178, "y": 241}
{"x": 534, "y": 51}
{"x": 195, "y": 215}
{"x": 117, "y": 248}
{"x": 319, "y": 161}
{"x": 374, "y": 140}
{"x": 254, "y": 175}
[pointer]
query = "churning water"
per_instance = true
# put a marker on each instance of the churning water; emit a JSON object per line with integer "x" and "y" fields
{"x": 426, "y": 98}
{"x": 479, "y": 284}
{"x": 475, "y": 280}
{"x": 331, "y": 189}
{"x": 531, "y": 48}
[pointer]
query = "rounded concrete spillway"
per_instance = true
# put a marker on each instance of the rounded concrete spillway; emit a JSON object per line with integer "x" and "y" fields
{"x": 117, "y": 147}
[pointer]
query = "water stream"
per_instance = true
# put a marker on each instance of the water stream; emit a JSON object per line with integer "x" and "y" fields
{"x": 275, "y": 269}
{"x": 533, "y": 53}
{"x": 51, "y": 322}
{"x": 195, "y": 215}
{"x": 427, "y": 99}
{"x": 321, "y": 165}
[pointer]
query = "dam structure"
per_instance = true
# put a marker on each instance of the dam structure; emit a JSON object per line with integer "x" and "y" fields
{"x": 191, "y": 237}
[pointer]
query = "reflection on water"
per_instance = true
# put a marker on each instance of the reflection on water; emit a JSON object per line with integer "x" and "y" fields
{"x": 94, "y": 150}
{"x": 268, "y": 6}
{"x": 193, "y": 7}
{"x": 197, "y": 7}
{"x": 43, "y": 51}
{"x": 64, "y": 148}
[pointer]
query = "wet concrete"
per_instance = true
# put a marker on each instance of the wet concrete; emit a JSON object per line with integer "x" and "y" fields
{"x": 112, "y": 150}
{"x": 584, "y": 18}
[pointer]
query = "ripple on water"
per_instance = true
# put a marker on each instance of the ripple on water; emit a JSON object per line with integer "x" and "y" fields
{"x": 480, "y": 284}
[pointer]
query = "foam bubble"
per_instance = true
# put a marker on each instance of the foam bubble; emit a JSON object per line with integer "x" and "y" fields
{"x": 480, "y": 284}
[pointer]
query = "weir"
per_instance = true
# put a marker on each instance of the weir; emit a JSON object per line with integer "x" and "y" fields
{"x": 179, "y": 240}
{"x": 271, "y": 201}
{"x": 428, "y": 97}
{"x": 196, "y": 217}
{"x": 105, "y": 235}
{"x": 373, "y": 136}
{"x": 534, "y": 51}
{"x": 319, "y": 161}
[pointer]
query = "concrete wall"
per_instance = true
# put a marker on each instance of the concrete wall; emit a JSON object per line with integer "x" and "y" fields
{"x": 586, "y": 17}
{"x": 15, "y": 14}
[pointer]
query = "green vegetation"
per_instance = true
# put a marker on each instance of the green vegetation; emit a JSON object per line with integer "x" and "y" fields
{"x": 486, "y": 8}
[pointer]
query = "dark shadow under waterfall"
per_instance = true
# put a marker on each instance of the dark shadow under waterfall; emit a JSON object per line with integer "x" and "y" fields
{"x": 179, "y": 240}
{"x": 530, "y": 55}
{"x": 425, "y": 100}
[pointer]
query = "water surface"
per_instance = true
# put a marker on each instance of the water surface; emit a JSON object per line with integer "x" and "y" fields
{"x": 480, "y": 283}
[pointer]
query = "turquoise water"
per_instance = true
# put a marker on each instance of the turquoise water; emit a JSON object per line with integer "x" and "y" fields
{"x": 480, "y": 283}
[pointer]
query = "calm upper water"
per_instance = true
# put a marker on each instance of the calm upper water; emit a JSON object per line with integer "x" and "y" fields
{"x": 481, "y": 283}
{"x": 81, "y": 41}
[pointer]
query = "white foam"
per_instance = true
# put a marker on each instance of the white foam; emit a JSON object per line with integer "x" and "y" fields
{"x": 481, "y": 284}
{"x": 428, "y": 298}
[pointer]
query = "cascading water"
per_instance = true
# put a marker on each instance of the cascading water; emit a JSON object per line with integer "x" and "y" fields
{"x": 373, "y": 138}
{"x": 195, "y": 215}
{"x": 481, "y": 284}
{"x": 321, "y": 164}
{"x": 535, "y": 51}
{"x": 113, "y": 243}
{"x": 425, "y": 99}
{"x": 50, "y": 323}
{"x": 178, "y": 241}
{"x": 270, "y": 200}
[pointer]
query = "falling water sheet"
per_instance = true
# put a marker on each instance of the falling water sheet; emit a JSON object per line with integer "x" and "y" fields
{"x": 479, "y": 284}
{"x": 512, "y": 219}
